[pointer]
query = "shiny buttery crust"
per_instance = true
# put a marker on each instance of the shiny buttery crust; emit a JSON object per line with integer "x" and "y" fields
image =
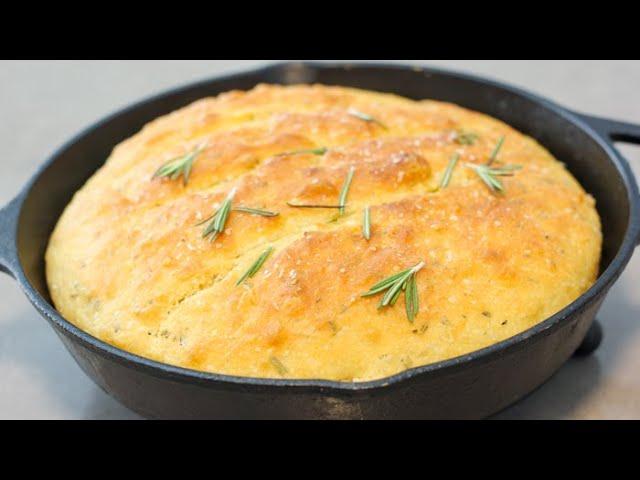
{"x": 126, "y": 263}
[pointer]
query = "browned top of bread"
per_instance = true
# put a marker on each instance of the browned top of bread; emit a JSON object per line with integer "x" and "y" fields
{"x": 128, "y": 264}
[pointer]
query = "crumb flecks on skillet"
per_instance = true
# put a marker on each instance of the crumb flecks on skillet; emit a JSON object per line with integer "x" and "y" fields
{"x": 127, "y": 264}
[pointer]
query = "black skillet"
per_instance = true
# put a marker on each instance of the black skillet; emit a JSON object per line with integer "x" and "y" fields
{"x": 471, "y": 386}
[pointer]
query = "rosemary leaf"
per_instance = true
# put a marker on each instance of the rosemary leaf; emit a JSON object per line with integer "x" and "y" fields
{"x": 278, "y": 365}
{"x": 310, "y": 151}
{"x": 496, "y": 150}
{"x": 446, "y": 178}
{"x": 366, "y": 118}
{"x": 179, "y": 166}
{"x": 205, "y": 220}
{"x": 219, "y": 219}
{"x": 345, "y": 190}
{"x": 411, "y": 302}
{"x": 396, "y": 295}
{"x": 506, "y": 170}
{"x": 255, "y": 211}
{"x": 366, "y": 223}
{"x": 253, "y": 269}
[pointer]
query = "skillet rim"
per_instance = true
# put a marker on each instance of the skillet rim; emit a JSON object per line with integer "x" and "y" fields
{"x": 275, "y": 385}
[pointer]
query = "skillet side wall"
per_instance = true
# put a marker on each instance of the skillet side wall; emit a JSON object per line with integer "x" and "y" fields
{"x": 475, "y": 386}
{"x": 471, "y": 390}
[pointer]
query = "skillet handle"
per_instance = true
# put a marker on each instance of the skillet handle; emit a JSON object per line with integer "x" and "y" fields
{"x": 9, "y": 262}
{"x": 614, "y": 130}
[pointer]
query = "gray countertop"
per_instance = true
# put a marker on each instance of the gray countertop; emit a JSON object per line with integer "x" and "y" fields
{"x": 43, "y": 103}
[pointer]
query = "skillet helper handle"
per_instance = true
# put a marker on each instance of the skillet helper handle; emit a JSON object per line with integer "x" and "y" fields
{"x": 614, "y": 131}
{"x": 9, "y": 262}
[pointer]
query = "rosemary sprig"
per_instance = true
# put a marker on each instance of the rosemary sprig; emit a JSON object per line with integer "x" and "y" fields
{"x": 278, "y": 365}
{"x": 252, "y": 211}
{"x": 496, "y": 150}
{"x": 253, "y": 269}
{"x": 179, "y": 166}
{"x": 489, "y": 175}
{"x": 446, "y": 178}
{"x": 255, "y": 211}
{"x": 311, "y": 151}
{"x": 219, "y": 219}
{"x": 345, "y": 190}
{"x": 366, "y": 223}
{"x": 342, "y": 201}
{"x": 465, "y": 138}
{"x": 394, "y": 285}
{"x": 366, "y": 118}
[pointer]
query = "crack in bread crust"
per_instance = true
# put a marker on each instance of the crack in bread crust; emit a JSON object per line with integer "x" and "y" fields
{"x": 127, "y": 263}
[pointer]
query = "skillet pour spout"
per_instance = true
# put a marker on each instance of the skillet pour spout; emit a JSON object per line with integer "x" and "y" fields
{"x": 471, "y": 386}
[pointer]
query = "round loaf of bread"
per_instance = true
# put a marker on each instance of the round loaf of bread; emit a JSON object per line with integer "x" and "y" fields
{"x": 156, "y": 261}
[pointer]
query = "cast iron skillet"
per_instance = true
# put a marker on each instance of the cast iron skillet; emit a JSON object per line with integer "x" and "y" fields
{"x": 471, "y": 386}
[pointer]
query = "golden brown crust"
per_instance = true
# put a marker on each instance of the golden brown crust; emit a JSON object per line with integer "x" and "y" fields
{"x": 127, "y": 264}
